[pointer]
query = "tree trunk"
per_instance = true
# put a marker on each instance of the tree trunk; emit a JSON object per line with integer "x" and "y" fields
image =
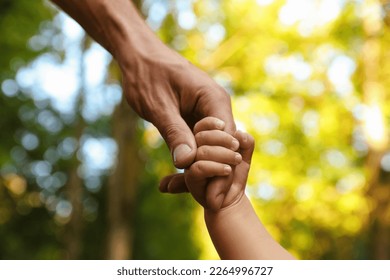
{"x": 123, "y": 184}
{"x": 74, "y": 228}
{"x": 378, "y": 186}
{"x": 123, "y": 181}
{"x": 74, "y": 189}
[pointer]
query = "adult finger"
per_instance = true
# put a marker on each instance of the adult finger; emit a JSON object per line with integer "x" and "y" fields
{"x": 214, "y": 101}
{"x": 178, "y": 136}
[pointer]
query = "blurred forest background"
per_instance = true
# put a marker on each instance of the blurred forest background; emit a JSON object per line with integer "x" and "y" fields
{"x": 309, "y": 79}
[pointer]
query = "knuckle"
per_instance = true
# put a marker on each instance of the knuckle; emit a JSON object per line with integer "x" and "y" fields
{"x": 197, "y": 169}
{"x": 213, "y": 91}
{"x": 170, "y": 132}
{"x": 199, "y": 137}
{"x": 228, "y": 139}
{"x": 203, "y": 153}
{"x": 251, "y": 140}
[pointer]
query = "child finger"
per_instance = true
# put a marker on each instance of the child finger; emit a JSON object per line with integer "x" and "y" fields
{"x": 196, "y": 187}
{"x": 217, "y": 138}
{"x": 206, "y": 169}
{"x": 173, "y": 184}
{"x": 209, "y": 123}
{"x": 163, "y": 187}
{"x": 247, "y": 145}
{"x": 218, "y": 154}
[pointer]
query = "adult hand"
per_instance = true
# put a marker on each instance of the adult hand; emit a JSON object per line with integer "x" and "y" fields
{"x": 173, "y": 94}
{"x": 159, "y": 84}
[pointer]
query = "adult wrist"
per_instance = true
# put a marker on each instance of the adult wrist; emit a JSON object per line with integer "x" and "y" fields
{"x": 145, "y": 48}
{"x": 123, "y": 32}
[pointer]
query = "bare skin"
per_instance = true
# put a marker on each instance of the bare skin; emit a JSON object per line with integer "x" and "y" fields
{"x": 235, "y": 229}
{"x": 159, "y": 84}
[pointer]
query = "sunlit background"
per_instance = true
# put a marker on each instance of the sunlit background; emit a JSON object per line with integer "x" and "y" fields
{"x": 309, "y": 80}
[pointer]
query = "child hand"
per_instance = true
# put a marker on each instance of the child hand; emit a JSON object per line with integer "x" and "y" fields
{"x": 176, "y": 183}
{"x": 217, "y": 153}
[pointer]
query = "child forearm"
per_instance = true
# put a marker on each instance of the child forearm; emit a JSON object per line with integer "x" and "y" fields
{"x": 237, "y": 233}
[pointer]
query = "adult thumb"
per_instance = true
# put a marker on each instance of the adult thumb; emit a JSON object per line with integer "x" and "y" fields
{"x": 180, "y": 140}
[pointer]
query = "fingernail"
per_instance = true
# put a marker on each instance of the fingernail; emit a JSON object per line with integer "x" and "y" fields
{"x": 235, "y": 145}
{"x": 219, "y": 124}
{"x": 227, "y": 169}
{"x": 245, "y": 138}
{"x": 181, "y": 151}
{"x": 238, "y": 158}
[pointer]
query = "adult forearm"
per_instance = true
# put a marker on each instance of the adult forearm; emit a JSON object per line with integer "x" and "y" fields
{"x": 237, "y": 233}
{"x": 116, "y": 25}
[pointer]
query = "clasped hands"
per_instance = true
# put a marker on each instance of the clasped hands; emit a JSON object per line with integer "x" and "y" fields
{"x": 174, "y": 95}
{"x": 219, "y": 155}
